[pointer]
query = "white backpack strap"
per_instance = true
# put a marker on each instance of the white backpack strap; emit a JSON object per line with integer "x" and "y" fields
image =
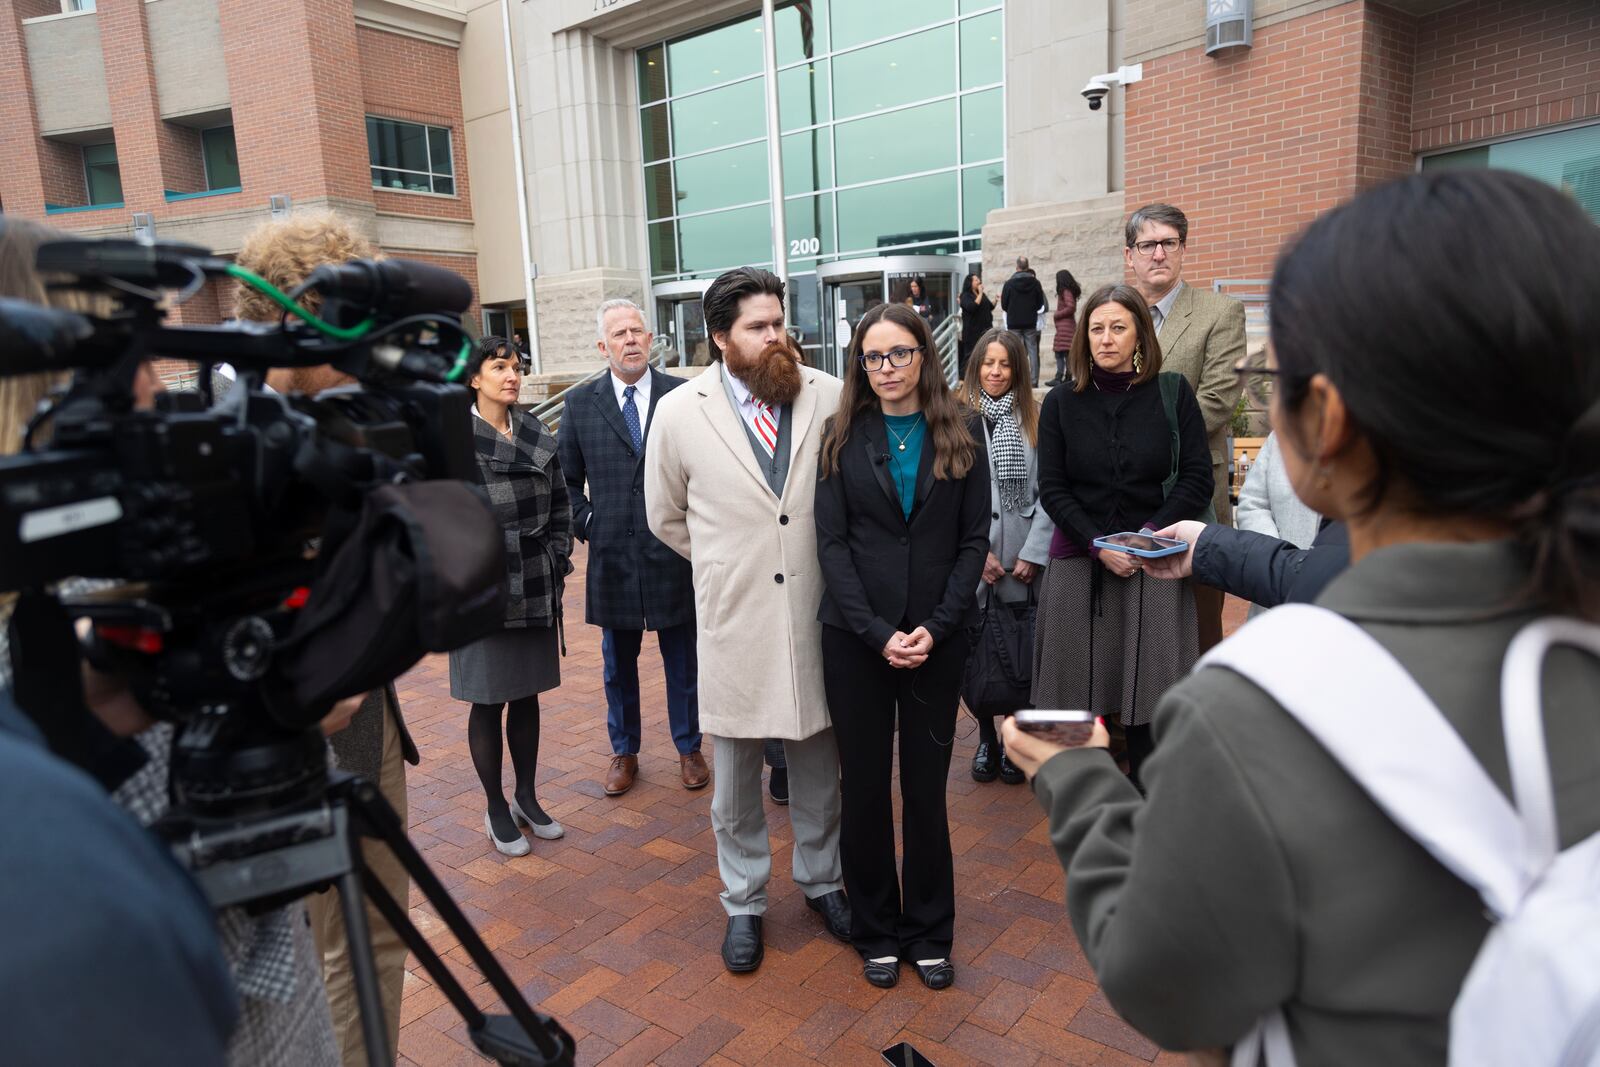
{"x": 1372, "y": 717}
{"x": 1522, "y": 708}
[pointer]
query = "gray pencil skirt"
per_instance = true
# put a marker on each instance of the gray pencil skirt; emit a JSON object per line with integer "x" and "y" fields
{"x": 507, "y": 665}
{"x": 1115, "y": 657}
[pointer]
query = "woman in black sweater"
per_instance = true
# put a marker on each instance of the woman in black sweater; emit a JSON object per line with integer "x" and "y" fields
{"x": 1123, "y": 448}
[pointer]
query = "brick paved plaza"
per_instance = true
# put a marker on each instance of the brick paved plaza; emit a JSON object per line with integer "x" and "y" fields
{"x": 615, "y": 929}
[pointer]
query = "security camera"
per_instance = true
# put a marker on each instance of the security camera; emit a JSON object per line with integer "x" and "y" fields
{"x": 1100, "y": 85}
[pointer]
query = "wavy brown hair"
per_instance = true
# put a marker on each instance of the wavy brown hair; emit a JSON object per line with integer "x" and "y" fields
{"x": 286, "y": 251}
{"x": 1080, "y": 362}
{"x": 953, "y": 447}
{"x": 1024, "y": 406}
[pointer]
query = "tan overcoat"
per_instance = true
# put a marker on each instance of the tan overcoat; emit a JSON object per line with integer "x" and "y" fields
{"x": 757, "y": 585}
{"x": 1202, "y": 339}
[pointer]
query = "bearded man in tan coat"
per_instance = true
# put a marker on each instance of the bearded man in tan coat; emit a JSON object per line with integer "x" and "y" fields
{"x": 730, "y": 477}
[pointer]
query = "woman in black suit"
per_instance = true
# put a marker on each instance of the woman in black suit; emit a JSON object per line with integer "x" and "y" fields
{"x": 977, "y": 318}
{"x": 902, "y": 512}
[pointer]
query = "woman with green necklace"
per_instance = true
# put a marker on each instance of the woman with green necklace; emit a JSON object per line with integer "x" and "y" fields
{"x": 902, "y": 513}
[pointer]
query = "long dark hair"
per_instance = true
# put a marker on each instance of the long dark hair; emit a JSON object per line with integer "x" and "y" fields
{"x": 1081, "y": 362}
{"x": 1066, "y": 283}
{"x": 1468, "y": 357}
{"x": 1024, "y": 406}
{"x": 953, "y": 446}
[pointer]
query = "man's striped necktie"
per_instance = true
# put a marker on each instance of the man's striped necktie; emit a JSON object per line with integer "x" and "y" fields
{"x": 766, "y": 427}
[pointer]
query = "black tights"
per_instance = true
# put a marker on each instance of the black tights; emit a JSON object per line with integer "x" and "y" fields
{"x": 986, "y": 730}
{"x": 522, "y": 737}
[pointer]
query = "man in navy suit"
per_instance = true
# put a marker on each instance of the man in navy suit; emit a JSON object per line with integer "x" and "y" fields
{"x": 635, "y": 583}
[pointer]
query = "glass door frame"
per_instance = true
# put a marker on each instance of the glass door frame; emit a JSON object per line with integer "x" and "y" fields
{"x": 842, "y": 272}
{"x": 678, "y": 295}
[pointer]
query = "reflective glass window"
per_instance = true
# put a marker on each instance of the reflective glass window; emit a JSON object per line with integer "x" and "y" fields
{"x": 653, "y": 133}
{"x": 982, "y": 190}
{"x": 808, "y": 161}
{"x": 803, "y": 95}
{"x": 981, "y": 60}
{"x": 1566, "y": 159}
{"x": 722, "y": 179}
{"x": 723, "y": 116}
{"x": 894, "y": 213}
{"x": 858, "y": 21}
{"x": 982, "y": 126}
{"x": 715, "y": 56}
{"x": 808, "y": 221}
{"x": 805, "y": 311}
{"x": 802, "y": 30}
{"x": 901, "y": 142}
{"x": 969, "y": 6}
{"x": 101, "y": 175}
{"x": 896, "y": 72}
{"x": 663, "y": 249}
{"x": 658, "y": 202}
{"x": 409, "y": 156}
{"x": 724, "y": 239}
{"x": 652, "y": 74}
{"x": 221, "y": 157}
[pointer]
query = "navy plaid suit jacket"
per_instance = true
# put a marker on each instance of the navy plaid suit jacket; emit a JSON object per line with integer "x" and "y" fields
{"x": 634, "y": 581}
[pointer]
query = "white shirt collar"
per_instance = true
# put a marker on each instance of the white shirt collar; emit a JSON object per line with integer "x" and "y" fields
{"x": 741, "y": 392}
{"x": 641, "y": 391}
{"x": 1164, "y": 305}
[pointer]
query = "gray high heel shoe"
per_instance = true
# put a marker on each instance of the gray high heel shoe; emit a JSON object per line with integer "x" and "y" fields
{"x": 519, "y": 847}
{"x": 548, "y": 832}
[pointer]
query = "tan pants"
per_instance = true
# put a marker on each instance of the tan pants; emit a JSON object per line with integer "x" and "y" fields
{"x": 388, "y": 951}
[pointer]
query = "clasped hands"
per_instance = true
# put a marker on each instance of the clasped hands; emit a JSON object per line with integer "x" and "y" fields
{"x": 908, "y": 650}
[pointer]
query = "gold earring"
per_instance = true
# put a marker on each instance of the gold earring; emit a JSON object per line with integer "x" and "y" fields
{"x": 1138, "y": 363}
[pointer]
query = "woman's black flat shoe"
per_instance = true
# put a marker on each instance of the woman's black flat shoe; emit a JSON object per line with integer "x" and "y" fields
{"x": 935, "y": 975}
{"x": 986, "y": 762}
{"x": 882, "y": 975}
{"x": 1010, "y": 773}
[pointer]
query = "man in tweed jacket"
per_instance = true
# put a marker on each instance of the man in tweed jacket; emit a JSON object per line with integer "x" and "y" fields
{"x": 635, "y": 583}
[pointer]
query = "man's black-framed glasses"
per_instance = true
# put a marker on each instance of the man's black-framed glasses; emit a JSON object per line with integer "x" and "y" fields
{"x": 1258, "y": 378}
{"x": 1169, "y": 245}
{"x": 896, "y": 357}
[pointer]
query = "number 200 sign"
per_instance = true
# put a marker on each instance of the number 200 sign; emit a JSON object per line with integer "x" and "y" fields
{"x": 805, "y": 246}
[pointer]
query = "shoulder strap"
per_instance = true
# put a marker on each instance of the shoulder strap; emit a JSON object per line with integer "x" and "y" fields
{"x": 1168, "y": 382}
{"x": 1373, "y": 718}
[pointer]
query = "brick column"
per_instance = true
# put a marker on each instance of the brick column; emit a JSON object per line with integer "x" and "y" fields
{"x": 21, "y": 182}
{"x": 152, "y": 155}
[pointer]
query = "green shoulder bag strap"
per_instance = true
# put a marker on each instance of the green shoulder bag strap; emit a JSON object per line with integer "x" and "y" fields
{"x": 1168, "y": 381}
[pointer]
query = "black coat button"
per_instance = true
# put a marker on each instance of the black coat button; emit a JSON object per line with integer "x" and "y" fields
{"x": 994, "y": 514}
{"x": 905, "y": 540}
{"x": 783, "y": 520}
{"x": 778, "y": 578}
{"x": 630, "y": 533}
{"x": 636, "y": 493}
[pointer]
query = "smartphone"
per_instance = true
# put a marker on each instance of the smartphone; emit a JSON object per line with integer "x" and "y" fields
{"x": 1071, "y": 728}
{"x": 905, "y": 1055}
{"x": 1138, "y": 544}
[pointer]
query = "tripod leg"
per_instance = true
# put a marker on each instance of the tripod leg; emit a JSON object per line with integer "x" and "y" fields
{"x": 362, "y": 969}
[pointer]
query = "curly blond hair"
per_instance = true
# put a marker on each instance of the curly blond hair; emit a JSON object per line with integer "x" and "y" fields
{"x": 286, "y": 251}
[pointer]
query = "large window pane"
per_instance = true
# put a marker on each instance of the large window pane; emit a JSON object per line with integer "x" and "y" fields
{"x": 808, "y": 161}
{"x": 722, "y": 179}
{"x": 663, "y": 249}
{"x": 1567, "y": 159}
{"x": 101, "y": 176}
{"x": 908, "y": 212}
{"x": 982, "y": 133}
{"x": 809, "y": 224}
{"x": 398, "y": 145}
{"x": 653, "y": 133}
{"x": 980, "y": 50}
{"x": 895, "y": 72}
{"x": 902, "y": 142}
{"x": 714, "y": 57}
{"x": 803, "y": 95}
{"x": 802, "y": 30}
{"x": 982, "y": 190}
{"x": 658, "y": 202}
{"x": 858, "y": 21}
{"x": 805, "y": 310}
{"x": 439, "y": 150}
{"x": 652, "y": 74}
{"x": 221, "y": 158}
{"x": 726, "y": 239}
{"x": 722, "y": 116}
{"x": 969, "y": 6}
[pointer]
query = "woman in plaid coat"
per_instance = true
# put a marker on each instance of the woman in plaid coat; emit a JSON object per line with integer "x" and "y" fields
{"x": 517, "y": 465}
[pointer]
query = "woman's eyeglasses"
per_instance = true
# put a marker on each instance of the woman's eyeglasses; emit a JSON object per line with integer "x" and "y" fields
{"x": 896, "y": 357}
{"x": 1259, "y": 379}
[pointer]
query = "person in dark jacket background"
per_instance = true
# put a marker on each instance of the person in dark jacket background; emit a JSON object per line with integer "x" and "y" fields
{"x": 977, "y": 318}
{"x": 635, "y": 583}
{"x": 1253, "y": 566}
{"x": 1067, "y": 293}
{"x": 1022, "y": 300}
{"x": 902, "y": 514}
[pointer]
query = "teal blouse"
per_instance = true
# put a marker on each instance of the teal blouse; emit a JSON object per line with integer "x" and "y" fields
{"x": 908, "y": 430}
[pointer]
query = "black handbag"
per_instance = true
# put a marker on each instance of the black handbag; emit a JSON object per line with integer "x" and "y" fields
{"x": 999, "y": 673}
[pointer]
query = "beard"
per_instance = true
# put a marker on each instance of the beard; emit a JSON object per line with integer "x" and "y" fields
{"x": 772, "y": 375}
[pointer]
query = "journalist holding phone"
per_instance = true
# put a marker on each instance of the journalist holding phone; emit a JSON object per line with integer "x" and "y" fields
{"x": 1123, "y": 448}
{"x": 902, "y": 513}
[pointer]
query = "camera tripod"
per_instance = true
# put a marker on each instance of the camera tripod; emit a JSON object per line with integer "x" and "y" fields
{"x": 282, "y": 856}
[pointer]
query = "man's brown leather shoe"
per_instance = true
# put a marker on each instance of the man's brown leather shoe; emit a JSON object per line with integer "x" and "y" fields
{"x": 619, "y": 779}
{"x": 695, "y": 772}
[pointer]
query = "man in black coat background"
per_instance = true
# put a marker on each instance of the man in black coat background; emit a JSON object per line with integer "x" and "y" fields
{"x": 1021, "y": 300}
{"x": 634, "y": 583}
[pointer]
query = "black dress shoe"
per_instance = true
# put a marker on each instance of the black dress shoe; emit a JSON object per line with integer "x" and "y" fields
{"x": 937, "y": 975}
{"x": 741, "y": 948}
{"x": 778, "y": 785}
{"x": 882, "y": 975}
{"x": 985, "y": 762}
{"x": 1010, "y": 773}
{"x": 834, "y": 908}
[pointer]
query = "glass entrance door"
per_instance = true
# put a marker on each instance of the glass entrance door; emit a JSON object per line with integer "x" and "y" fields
{"x": 851, "y": 288}
{"x": 844, "y": 301}
{"x": 681, "y": 320}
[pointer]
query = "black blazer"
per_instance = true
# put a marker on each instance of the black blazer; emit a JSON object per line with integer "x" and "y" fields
{"x": 634, "y": 581}
{"x": 882, "y": 573}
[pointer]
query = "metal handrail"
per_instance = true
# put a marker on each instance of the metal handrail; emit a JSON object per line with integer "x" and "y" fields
{"x": 946, "y": 338}
{"x": 550, "y": 409}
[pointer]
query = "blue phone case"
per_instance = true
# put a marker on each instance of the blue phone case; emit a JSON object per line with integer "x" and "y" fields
{"x": 1146, "y": 553}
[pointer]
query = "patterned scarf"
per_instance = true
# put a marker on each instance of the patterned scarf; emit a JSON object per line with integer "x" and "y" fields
{"x": 1010, "y": 463}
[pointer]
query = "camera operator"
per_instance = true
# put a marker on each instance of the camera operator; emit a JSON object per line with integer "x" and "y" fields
{"x": 376, "y": 745}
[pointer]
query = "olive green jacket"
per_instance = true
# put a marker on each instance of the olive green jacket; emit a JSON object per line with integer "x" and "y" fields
{"x": 1258, "y": 874}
